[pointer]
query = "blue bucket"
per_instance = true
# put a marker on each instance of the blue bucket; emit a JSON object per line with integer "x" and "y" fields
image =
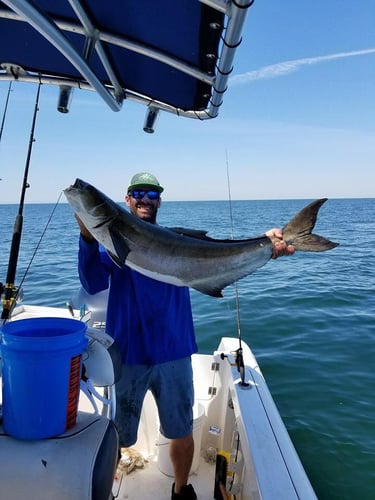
{"x": 41, "y": 369}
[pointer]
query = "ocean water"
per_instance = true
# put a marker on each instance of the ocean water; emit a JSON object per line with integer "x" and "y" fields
{"x": 309, "y": 319}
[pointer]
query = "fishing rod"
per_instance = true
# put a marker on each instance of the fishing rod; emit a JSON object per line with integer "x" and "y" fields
{"x": 5, "y": 110}
{"x": 10, "y": 290}
{"x": 239, "y": 352}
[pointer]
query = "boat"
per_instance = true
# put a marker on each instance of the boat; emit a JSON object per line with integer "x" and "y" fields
{"x": 180, "y": 65}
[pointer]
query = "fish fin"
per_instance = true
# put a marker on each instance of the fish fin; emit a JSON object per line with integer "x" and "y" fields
{"x": 115, "y": 259}
{"x": 298, "y": 231}
{"x": 121, "y": 248}
{"x": 207, "y": 290}
{"x": 192, "y": 233}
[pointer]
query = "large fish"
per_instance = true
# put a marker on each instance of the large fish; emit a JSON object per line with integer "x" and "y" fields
{"x": 181, "y": 256}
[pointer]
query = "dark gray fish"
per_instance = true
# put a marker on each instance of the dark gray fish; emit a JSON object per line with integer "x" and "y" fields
{"x": 184, "y": 257}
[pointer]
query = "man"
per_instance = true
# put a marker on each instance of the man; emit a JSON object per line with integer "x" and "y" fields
{"x": 152, "y": 323}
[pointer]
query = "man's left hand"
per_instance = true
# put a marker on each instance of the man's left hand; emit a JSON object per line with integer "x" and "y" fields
{"x": 280, "y": 247}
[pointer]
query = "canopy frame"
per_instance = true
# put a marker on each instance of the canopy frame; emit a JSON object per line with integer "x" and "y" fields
{"x": 56, "y": 29}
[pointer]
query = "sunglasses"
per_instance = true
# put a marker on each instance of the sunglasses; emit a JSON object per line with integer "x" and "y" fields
{"x": 138, "y": 194}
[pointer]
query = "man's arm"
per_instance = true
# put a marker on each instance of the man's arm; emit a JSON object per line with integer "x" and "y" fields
{"x": 93, "y": 265}
{"x": 85, "y": 233}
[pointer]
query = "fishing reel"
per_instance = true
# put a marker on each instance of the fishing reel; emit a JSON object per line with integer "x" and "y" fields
{"x": 239, "y": 363}
{"x": 10, "y": 296}
{"x": 238, "y": 357}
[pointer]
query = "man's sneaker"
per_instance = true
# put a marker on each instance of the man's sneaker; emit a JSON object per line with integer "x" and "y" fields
{"x": 187, "y": 493}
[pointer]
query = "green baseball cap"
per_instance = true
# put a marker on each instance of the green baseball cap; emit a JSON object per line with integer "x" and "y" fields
{"x": 144, "y": 179}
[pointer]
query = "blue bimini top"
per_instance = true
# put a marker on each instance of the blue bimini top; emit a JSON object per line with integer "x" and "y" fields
{"x": 151, "y": 321}
{"x": 169, "y": 55}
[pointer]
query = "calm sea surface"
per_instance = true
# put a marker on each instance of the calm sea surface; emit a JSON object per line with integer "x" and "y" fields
{"x": 309, "y": 318}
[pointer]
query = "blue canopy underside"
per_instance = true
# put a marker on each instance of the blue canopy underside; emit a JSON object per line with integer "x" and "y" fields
{"x": 184, "y": 29}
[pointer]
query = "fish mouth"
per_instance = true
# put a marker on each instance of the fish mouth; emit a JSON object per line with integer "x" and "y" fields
{"x": 79, "y": 184}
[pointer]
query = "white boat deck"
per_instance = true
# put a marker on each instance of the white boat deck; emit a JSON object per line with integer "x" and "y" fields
{"x": 242, "y": 421}
{"x": 150, "y": 483}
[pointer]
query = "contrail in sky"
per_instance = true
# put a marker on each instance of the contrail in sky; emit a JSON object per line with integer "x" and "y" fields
{"x": 283, "y": 68}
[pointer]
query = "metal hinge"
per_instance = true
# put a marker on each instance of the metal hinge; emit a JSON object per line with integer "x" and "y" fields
{"x": 212, "y": 391}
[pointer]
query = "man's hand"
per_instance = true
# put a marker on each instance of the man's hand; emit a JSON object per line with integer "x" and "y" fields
{"x": 280, "y": 247}
{"x": 85, "y": 233}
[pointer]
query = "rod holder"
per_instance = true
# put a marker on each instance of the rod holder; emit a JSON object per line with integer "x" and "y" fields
{"x": 151, "y": 118}
{"x": 65, "y": 97}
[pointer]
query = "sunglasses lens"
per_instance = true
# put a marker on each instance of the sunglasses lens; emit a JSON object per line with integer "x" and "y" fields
{"x": 138, "y": 194}
{"x": 153, "y": 195}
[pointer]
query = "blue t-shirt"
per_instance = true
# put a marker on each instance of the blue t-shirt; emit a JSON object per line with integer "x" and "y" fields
{"x": 151, "y": 321}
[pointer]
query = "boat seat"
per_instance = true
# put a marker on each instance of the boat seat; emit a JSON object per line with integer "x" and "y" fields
{"x": 77, "y": 465}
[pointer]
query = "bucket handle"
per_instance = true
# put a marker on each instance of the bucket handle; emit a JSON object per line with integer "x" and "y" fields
{"x": 89, "y": 390}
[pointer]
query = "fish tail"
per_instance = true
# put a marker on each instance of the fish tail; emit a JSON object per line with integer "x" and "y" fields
{"x": 298, "y": 231}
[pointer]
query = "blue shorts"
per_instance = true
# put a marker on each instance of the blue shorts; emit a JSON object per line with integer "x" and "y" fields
{"x": 171, "y": 384}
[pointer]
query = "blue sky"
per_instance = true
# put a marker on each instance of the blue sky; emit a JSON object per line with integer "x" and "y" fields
{"x": 298, "y": 120}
